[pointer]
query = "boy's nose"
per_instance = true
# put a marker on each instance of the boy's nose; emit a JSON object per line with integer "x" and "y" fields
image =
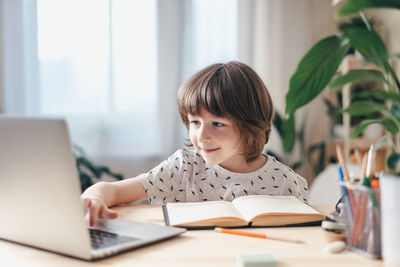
{"x": 204, "y": 135}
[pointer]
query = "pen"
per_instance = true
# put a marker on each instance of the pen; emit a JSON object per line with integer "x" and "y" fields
{"x": 369, "y": 163}
{"x": 249, "y": 234}
{"x": 349, "y": 205}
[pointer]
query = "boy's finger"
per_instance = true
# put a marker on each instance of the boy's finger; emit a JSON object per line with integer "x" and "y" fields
{"x": 94, "y": 210}
{"x": 107, "y": 213}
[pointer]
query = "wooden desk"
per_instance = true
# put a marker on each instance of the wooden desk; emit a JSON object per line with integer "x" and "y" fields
{"x": 198, "y": 248}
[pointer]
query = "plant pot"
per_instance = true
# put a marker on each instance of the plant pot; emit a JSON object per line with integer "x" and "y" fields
{"x": 390, "y": 200}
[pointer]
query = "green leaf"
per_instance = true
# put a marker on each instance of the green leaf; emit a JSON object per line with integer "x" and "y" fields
{"x": 393, "y": 161}
{"x": 82, "y": 161}
{"x": 395, "y": 78}
{"x": 320, "y": 149}
{"x": 334, "y": 112}
{"x": 314, "y": 71}
{"x": 296, "y": 165}
{"x": 385, "y": 140}
{"x": 369, "y": 107}
{"x": 276, "y": 156}
{"x": 286, "y": 130}
{"x": 395, "y": 110}
{"x": 370, "y": 45}
{"x": 364, "y": 108}
{"x": 118, "y": 176}
{"x": 354, "y": 6}
{"x": 86, "y": 181}
{"x": 393, "y": 114}
{"x": 278, "y": 123}
{"x": 356, "y": 22}
{"x": 390, "y": 126}
{"x": 380, "y": 94}
{"x": 356, "y": 76}
{"x": 289, "y": 134}
{"x": 360, "y": 128}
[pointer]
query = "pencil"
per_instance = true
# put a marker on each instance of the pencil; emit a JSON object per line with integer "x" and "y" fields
{"x": 257, "y": 235}
{"x": 358, "y": 208}
{"x": 369, "y": 161}
{"x": 340, "y": 156}
{"x": 364, "y": 166}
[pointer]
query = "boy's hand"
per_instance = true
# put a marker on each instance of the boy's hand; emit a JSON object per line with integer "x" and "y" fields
{"x": 96, "y": 208}
{"x": 97, "y": 198}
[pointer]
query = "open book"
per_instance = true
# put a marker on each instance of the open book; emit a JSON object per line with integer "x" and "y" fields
{"x": 257, "y": 210}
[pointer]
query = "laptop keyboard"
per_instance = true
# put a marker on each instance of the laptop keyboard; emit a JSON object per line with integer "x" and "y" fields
{"x": 103, "y": 239}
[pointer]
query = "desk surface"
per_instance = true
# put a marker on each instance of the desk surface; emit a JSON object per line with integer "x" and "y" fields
{"x": 198, "y": 248}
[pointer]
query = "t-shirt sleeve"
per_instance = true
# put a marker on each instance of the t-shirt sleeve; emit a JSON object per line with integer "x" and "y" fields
{"x": 302, "y": 188}
{"x": 295, "y": 185}
{"x": 163, "y": 183}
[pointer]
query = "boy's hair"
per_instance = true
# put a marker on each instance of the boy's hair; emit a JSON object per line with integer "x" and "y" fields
{"x": 232, "y": 90}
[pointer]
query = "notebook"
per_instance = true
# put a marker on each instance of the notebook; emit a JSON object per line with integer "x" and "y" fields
{"x": 40, "y": 196}
{"x": 252, "y": 210}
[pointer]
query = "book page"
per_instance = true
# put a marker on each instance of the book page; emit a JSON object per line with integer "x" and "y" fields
{"x": 184, "y": 213}
{"x": 251, "y": 206}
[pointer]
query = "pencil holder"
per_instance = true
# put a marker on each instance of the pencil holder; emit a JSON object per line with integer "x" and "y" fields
{"x": 363, "y": 220}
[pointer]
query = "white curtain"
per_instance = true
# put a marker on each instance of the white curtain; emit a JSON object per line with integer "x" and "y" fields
{"x": 272, "y": 36}
{"x": 17, "y": 65}
{"x": 190, "y": 35}
{"x": 172, "y": 51}
{"x": 275, "y": 35}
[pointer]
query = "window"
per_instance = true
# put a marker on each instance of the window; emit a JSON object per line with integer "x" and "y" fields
{"x": 215, "y": 31}
{"x": 97, "y": 64}
{"x": 98, "y": 69}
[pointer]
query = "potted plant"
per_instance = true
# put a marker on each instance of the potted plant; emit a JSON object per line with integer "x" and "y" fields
{"x": 90, "y": 173}
{"x": 289, "y": 137}
{"x": 316, "y": 71}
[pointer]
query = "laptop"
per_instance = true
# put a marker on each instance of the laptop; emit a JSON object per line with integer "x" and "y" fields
{"x": 40, "y": 191}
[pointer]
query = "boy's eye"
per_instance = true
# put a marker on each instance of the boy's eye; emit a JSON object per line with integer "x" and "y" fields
{"x": 195, "y": 122}
{"x": 217, "y": 124}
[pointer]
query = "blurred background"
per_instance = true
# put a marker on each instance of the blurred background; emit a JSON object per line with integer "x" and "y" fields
{"x": 112, "y": 67}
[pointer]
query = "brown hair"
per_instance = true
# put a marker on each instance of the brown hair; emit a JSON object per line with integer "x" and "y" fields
{"x": 232, "y": 90}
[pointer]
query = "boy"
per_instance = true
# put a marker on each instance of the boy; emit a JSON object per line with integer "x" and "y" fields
{"x": 228, "y": 112}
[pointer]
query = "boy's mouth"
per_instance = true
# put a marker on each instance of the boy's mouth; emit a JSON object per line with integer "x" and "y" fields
{"x": 209, "y": 150}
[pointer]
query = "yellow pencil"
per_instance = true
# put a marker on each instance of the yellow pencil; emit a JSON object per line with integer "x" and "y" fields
{"x": 249, "y": 234}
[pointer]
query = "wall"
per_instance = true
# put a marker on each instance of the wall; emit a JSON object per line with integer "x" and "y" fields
{"x": 388, "y": 26}
{"x": 390, "y": 20}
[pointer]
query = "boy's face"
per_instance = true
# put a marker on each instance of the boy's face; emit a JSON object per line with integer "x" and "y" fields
{"x": 217, "y": 139}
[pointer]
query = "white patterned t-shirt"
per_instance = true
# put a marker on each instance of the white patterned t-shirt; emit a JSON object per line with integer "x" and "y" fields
{"x": 185, "y": 177}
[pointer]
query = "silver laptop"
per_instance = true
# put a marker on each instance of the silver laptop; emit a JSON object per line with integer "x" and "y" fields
{"x": 40, "y": 196}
